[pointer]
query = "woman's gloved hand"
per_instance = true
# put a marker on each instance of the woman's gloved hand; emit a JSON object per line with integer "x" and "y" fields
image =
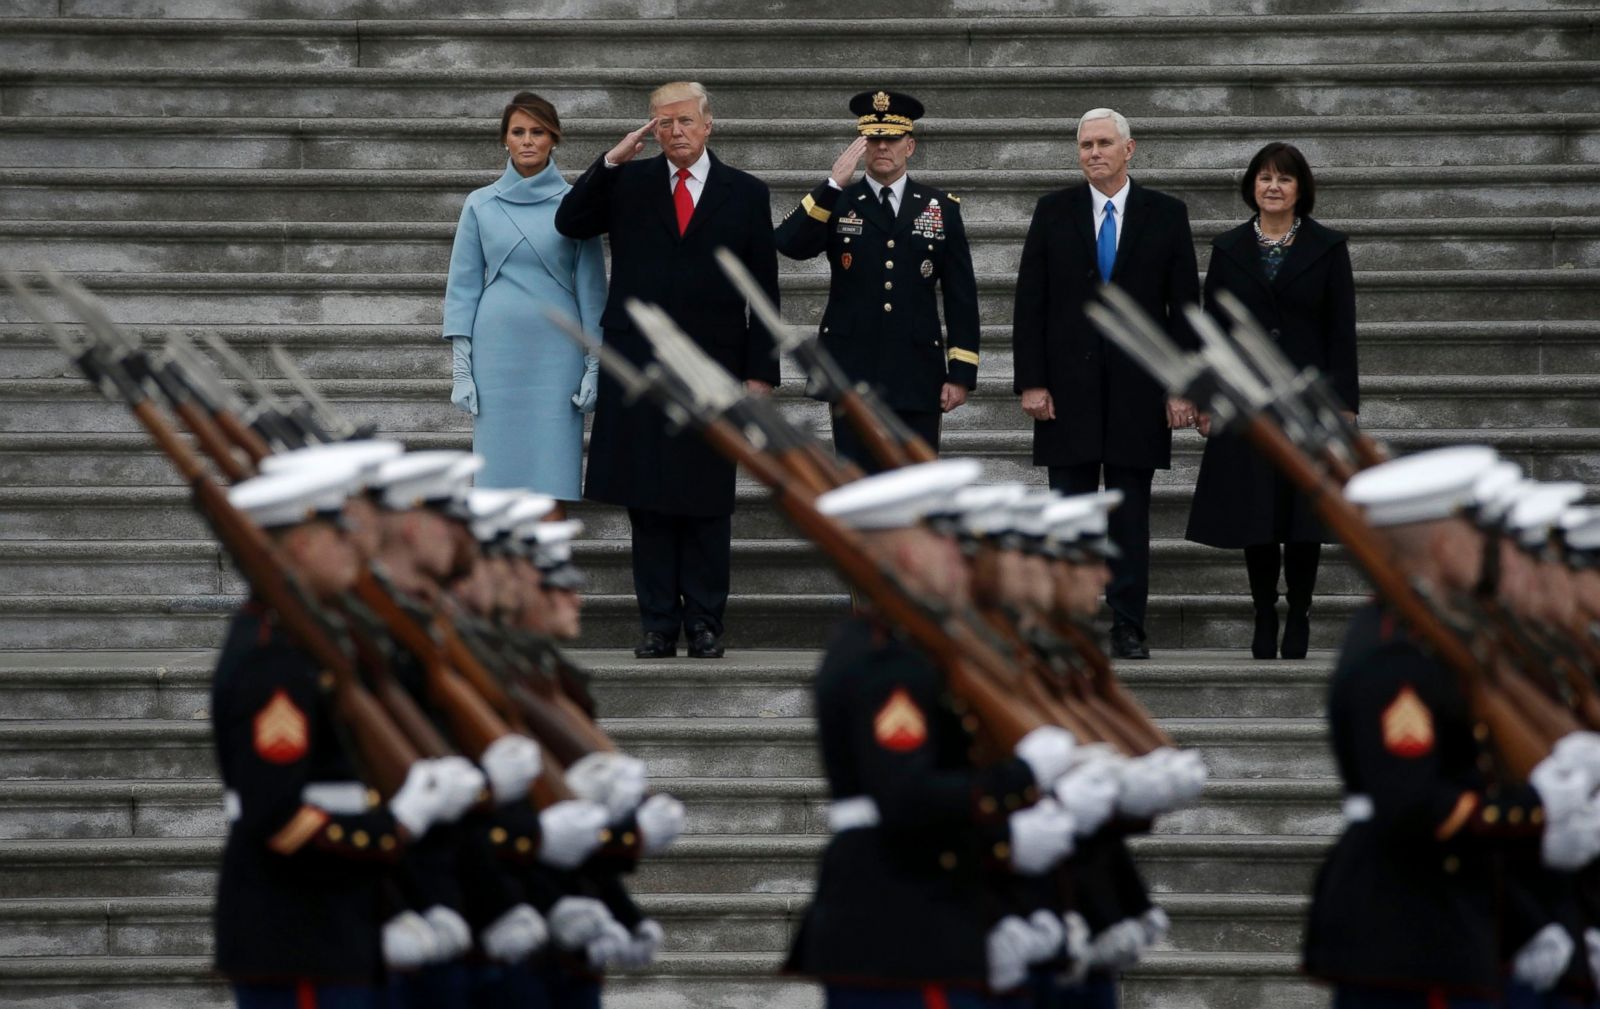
{"x": 588, "y": 386}
{"x": 464, "y": 393}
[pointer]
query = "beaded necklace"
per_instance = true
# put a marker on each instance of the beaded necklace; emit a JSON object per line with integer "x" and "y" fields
{"x": 1273, "y": 250}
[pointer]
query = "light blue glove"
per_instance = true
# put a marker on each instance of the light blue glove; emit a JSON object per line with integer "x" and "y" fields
{"x": 465, "y": 391}
{"x": 588, "y": 386}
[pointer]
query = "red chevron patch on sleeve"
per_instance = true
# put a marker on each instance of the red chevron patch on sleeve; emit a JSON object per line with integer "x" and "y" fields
{"x": 899, "y": 725}
{"x": 282, "y": 734}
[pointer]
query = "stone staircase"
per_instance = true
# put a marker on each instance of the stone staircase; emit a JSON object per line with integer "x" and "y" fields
{"x": 289, "y": 172}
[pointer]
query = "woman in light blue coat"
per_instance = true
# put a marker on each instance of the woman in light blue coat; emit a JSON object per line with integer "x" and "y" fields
{"x": 526, "y": 385}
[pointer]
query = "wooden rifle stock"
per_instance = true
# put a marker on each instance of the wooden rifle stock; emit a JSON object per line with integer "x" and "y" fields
{"x": 1106, "y": 684}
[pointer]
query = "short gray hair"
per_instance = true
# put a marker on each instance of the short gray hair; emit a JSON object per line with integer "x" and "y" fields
{"x": 679, "y": 91}
{"x": 1117, "y": 119}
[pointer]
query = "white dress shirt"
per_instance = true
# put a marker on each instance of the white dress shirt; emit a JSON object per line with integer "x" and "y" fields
{"x": 697, "y": 176}
{"x": 1118, "y": 200}
{"x": 897, "y": 189}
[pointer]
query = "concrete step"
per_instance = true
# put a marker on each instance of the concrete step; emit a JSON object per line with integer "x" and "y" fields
{"x": 415, "y": 298}
{"x": 1139, "y": 87}
{"x": 706, "y": 981}
{"x": 133, "y": 867}
{"x": 1450, "y": 191}
{"x": 421, "y": 247}
{"x": 673, "y": 747}
{"x": 752, "y": 684}
{"x": 126, "y": 460}
{"x": 1416, "y": 351}
{"x": 1457, "y": 401}
{"x": 1203, "y": 141}
{"x": 94, "y": 43}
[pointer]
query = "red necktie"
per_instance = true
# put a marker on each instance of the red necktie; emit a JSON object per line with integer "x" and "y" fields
{"x": 682, "y": 201}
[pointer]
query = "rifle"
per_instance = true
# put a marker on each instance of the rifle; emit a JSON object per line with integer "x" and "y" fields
{"x": 381, "y": 750}
{"x": 1214, "y": 377}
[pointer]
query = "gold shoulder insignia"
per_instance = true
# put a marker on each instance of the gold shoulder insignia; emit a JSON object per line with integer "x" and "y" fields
{"x": 953, "y": 196}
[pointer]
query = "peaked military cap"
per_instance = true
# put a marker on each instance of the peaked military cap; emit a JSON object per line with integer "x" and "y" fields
{"x": 366, "y": 455}
{"x": 899, "y": 498}
{"x": 1425, "y": 487}
{"x": 431, "y": 479}
{"x": 1494, "y": 493}
{"x": 1537, "y": 510}
{"x": 1580, "y": 531}
{"x": 885, "y": 113}
{"x": 295, "y": 496}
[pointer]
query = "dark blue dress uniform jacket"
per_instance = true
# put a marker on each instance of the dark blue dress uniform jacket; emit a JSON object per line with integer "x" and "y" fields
{"x": 301, "y": 894}
{"x": 882, "y": 319}
{"x": 634, "y": 460}
{"x": 1408, "y": 898}
{"x": 906, "y": 902}
{"x": 1108, "y": 409}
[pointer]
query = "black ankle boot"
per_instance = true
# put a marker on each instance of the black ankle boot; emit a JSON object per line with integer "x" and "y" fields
{"x": 1265, "y": 643}
{"x": 1261, "y": 564}
{"x": 1300, "y": 577}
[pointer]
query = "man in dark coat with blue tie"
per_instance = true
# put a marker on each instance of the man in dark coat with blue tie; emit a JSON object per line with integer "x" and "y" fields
{"x": 1094, "y": 409}
{"x": 667, "y": 216}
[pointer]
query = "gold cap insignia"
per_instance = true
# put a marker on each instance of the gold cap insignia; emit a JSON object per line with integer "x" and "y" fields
{"x": 880, "y": 101}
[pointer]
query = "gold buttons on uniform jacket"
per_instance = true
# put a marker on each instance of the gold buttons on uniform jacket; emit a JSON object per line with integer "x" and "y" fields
{"x": 889, "y": 265}
{"x": 891, "y": 243}
{"x": 628, "y": 839}
{"x": 498, "y": 835}
{"x": 1514, "y": 817}
{"x": 888, "y": 285}
{"x": 947, "y": 861}
{"x": 373, "y": 798}
{"x": 1491, "y": 814}
{"x": 335, "y": 833}
{"x": 1002, "y": 852}
{"x": 386, "y": 842}
{"x": 605, "y": 835}
{"x": 524, "y": 845}
{"x": 360, "y": 839}
{"x": 888, "y": 307}
{"x": 987, "y": 806}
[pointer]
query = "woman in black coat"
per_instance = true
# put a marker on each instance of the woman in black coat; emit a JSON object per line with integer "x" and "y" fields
{"x": 1294, "y": 276}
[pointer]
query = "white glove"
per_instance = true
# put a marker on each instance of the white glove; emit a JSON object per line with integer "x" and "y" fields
{"x": 614, "y": 780}
{"x": 463, "y": 391}
{"x": 1147, "y": 786}
{"x": 1048, "y": 932}
{"x": 461, "y": 785}
{"x": 408, "y": 942}
{"x": 609, "y": 946}
{"x": 641, "y": 950}
{"x": 1563, "y": 787}
{"x": 1007, "y": 946}
{"x": 1580, "y": 749}
{"x": 1076, "y": 943}
{"x": 570, "y": 832}
{"x": 1118, "y": 946}
{"x": 1542, "y": 959}
{"x": 1573, "y": 841}
{"x": 450, "y": 932}
{"x": 1041, "y": 836}
{"x": 1047, "y": 751}
{"x": 421, "y": 801}
{"x": 1156, "y": 925}
{"x": 577, "y": 921}
{"x": 511, "y": 762}
{"x": 1591, "y": 946}
{"x": 660, "y": 823}
{"x": 1188, "y": 775}
{"x": 1089, "y": 793}
{"x": 588, "y": 385}
{"x": 514, "y": 935}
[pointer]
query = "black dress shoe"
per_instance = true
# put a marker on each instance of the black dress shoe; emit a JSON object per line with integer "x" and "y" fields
{"x": 704, "y": 645}
{"x": 654, "y": 645}
{"x": 1126, "y": 643}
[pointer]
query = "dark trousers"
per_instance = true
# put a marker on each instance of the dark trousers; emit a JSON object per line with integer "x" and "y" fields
{"x": 1299, "y": 562}
{"x": 1128, "y": 595}
{"x": 929, "y": 997}
{"x": 680, "y": 570}
{"x": 1097, "y": 991}
{"x": 849, "y": 445}
{"x": 305, "y": 995}
{"x": 437, "y": 986}
{"x": 1347, "y": 996}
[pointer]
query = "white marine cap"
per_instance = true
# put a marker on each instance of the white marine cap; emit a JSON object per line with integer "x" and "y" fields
{"x": 486, "y": 509}
{"x": 1087, "y": 524}
{"x": 523, "y": 517}
{"x": 1538, "y": 508}
{"x": 425, "y": 478}
{"x": 1580, "y": 529}
{"x": 295, "y": 496}
{"x": 1028, "y": 513}
{"x": 1494, "y": 492}
{"x": 899, "y": 498}
{"x": 986, "y": 511}
{"x": 367, "y": 454}
{"x": 554, "y": 542}
{"x": 1424, "y": 487}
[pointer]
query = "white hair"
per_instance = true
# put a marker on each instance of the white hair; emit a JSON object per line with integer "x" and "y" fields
{"x": 1117, "y": 119}
{"x": 679, "y": 91}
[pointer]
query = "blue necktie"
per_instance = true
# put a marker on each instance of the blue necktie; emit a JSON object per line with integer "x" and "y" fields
{"x": 1107, "y": 246}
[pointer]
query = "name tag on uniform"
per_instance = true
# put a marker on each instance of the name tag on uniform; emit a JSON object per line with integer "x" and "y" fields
{"x": 849, "y": 224}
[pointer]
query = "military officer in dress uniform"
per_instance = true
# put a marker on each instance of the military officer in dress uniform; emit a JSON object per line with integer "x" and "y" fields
{"x": 1405, "y": 911}
{"x": 890, "y": 241}
{"x": 904, "y": 914}
{"x": 299, "y": 914}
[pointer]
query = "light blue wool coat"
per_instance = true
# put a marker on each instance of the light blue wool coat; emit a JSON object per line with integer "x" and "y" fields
{"x": 508, "y": 268}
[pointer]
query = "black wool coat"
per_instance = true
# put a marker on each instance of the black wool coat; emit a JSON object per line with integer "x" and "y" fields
{"x": 1107, "y": 408}
{"x": 634, "y": 460}
{"x": 1309, "y": 310}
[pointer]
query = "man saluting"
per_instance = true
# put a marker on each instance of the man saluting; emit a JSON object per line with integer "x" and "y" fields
{"x": 889, "y": 243}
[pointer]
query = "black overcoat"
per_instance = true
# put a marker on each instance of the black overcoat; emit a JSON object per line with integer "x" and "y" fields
{"x": 1107, "y": 408}
{"x": 633, "y": 459}
{"x": 1309, "y": 310}
{"x": 882, "y": 319}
